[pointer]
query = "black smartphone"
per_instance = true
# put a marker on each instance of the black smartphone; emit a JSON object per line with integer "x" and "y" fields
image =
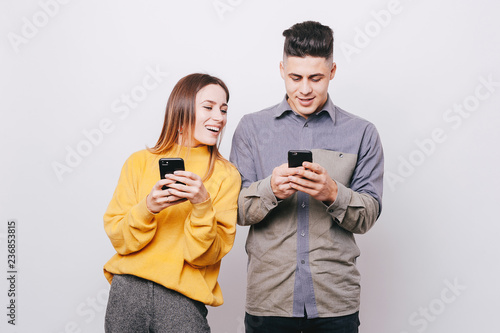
{"x": 169, "y": 165}
{"x": 297, "y": 157}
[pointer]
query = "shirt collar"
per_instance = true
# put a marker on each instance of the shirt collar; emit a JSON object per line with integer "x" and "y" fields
{"x": 284, "y": 107}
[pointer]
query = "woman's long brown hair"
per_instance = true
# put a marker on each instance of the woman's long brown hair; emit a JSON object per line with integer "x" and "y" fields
{"x": 180, "y": 117}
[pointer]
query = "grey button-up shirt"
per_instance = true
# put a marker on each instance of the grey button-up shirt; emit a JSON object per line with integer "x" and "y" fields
{"x": 302, "y": 253}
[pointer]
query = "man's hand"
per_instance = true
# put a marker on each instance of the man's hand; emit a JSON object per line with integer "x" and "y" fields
{"x": 280, "y": 183}
{"x": 314, "y": 180}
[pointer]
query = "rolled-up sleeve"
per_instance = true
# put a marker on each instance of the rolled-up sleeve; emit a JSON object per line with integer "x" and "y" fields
{"x": 357, "y": 208}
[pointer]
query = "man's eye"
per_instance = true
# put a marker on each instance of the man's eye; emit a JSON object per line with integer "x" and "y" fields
{"x": 296, "y": 79}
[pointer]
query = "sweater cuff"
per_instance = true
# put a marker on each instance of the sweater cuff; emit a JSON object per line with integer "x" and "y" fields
{"x": 142, "y": 213}
{"x": 201, "y": 210}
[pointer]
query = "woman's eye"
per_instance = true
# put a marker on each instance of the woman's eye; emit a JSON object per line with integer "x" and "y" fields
{"x": 208, "y": 107}
{"x": 223, "y": 111}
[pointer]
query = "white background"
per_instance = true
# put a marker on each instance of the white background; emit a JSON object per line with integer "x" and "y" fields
{"x": 430, "y": 264}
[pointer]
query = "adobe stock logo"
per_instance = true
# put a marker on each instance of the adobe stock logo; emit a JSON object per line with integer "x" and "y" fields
{"x": 94, "y": 137}
{"x": 454, "y": 118}
{"x": 363, "y": 37}
{"x": 224, "y": 6}
{"x": 425, "y": 315}
{"x": 31, "y": 27}
{"x": 87, "y": 311}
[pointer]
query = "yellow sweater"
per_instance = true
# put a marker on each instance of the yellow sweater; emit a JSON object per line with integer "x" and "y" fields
{"x": 182, "y": 246}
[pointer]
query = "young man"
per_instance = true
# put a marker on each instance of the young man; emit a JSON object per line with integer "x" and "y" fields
{"x": 301, "y": 249}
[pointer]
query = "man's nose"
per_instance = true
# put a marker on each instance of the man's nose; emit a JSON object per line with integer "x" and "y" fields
{"x": 305, "y": 87}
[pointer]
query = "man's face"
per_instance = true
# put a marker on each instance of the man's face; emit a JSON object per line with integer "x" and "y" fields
{"x": 306, "y": 82}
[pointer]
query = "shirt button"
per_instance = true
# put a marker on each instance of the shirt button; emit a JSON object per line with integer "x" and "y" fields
{"x": 341, "y": 155}
{"x": 302, "y": 234}
{"x": 302, "y": 261}
{"x": 303, "y": 205}
{"x": 330, "y": 211}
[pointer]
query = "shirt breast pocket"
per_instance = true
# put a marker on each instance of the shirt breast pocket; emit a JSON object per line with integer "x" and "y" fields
{"x": 339, "y": 165}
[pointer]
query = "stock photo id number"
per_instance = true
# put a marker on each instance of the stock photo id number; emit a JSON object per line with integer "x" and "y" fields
{"x": 11, "y": 271}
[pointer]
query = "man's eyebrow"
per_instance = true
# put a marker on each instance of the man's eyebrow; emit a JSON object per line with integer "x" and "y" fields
{"x": 310, "y": 76}
{"x": 317, "y": 74}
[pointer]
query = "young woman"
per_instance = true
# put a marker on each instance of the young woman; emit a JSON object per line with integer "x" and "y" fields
{"x": 170, "y": 242}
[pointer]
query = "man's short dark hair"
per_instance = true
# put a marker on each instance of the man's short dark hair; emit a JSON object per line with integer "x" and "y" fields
{"x": 309, "y": 39}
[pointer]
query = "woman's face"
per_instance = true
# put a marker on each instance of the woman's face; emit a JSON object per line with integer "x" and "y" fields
{"x": 211, "y": 115}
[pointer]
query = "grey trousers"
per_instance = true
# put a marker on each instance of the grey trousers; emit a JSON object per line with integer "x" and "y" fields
{"x": 136, "y": 305}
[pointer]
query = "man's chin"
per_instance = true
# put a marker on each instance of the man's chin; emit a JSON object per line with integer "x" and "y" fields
{"x": 306, "y": 112}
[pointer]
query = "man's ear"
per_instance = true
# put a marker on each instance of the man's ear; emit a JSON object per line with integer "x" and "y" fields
{"x": 282, "y": 70}
{"x": 334, "y": 69}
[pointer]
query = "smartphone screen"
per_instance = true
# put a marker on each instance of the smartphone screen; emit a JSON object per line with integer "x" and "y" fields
{"x": 297, "y": 157}
{"x": 169, "y": 165}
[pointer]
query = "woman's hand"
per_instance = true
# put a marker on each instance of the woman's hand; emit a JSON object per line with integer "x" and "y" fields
{"x": 159, "y": 199}
{"x": 191, "y": 189}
